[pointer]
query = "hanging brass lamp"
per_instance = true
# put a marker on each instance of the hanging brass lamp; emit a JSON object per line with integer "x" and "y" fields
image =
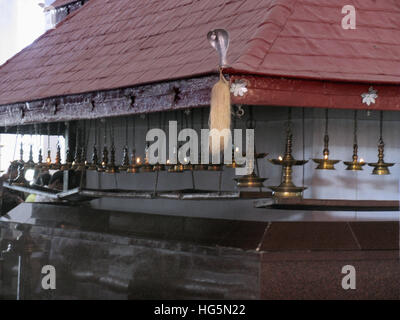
{"x": 160, "y": 166}
{"x": 125, "y": 160}
{"x": 136, "y": 163}
{"x": 125, "y": 151}
{"x": 325, "y": 163}
{"x": 287, "y": 188}
{"x": 355, "y": 164}
{"x": 111, "y": 167}
{"x": 68, "y": 161}
{"x": 381, "y": 167}
{"x": 104, "y": 160}
{"x": 20, "y": 179}
{"x": 30, "y": 164}
{"x": 94, "y": 163}
{"x": 104, "y": 156}
{"x": 147, "y": 167}
{"x": 251, "y": 180}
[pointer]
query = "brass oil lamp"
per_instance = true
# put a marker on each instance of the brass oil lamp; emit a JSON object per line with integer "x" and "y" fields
{"x": 125, "y": 160}
{"x": 30, "y": 164}
{"x": 40, "y": 165}
{"x": 80, "y": 162}
{"x": 136, "y": 163}
{"x": 68, "y": 161}
{"x": 215, "y": 167}
{"x": 187, "y": 166}
{"x": 325, "y": 163}
{"x": 287, "y": 188}
{"x": 234, "y": 164}
{"x": 355, "y": 164}
{"x": 111, "y": 167}
{"x": 104, "y": 157}
{"x": 57, "y": 162}
{"x": 178, "y": 167}
{"x": 125, "y": 151}
{"x": 147, "y": 167}
{"x": 251, "y": 180}
{"x": 381, "y": 167}
{"x": 92, "y": 166}
{"x": 160, "y": 166}
{"x": 47, "y": 162}
{"x": 20, "y": 179}
{"x": 95, "y": 160}
{"x": 104, "y": 160}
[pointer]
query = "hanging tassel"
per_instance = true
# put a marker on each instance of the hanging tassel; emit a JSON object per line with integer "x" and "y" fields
{"x": 220, "y": 113}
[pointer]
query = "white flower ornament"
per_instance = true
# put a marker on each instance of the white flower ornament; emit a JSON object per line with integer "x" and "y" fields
{"x": 238, "y": 88}
{"x": 370, "y": 97}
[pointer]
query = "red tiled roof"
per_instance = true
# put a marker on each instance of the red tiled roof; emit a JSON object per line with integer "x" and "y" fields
{"x": 117, "y": 43}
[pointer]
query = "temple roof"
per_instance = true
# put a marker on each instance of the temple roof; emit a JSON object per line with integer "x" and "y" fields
{"x": 121, "y": 43}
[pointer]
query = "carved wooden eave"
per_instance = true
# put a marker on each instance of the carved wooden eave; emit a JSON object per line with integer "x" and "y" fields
{"x": 165, "y": 96}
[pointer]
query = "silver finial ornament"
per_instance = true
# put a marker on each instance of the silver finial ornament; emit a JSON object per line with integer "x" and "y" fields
{"x": 370, "y": 97}
{"x": 219, "y": 40}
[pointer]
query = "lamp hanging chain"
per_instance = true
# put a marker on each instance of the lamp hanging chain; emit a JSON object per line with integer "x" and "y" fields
{"x": 381, "y": 127}
{"x": 304, "y": 144}
{"x": 289, "y": 122}
{"x": 326, "y": 121}
{"x": 48, "y": 136}
{"x": 105, "y": 132}
{"x": 133, "y": 132}
{"x": 355, "y": 128}
{"x": 126, "y": 132}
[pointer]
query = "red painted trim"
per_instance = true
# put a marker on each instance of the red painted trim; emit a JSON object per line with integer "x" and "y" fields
{"x": 316, "y": 94}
